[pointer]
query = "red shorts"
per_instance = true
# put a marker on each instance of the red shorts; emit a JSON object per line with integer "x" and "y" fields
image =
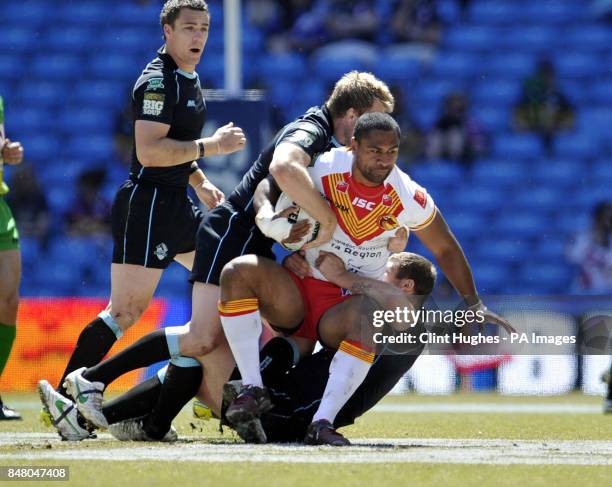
{"x": 318, "y": 296}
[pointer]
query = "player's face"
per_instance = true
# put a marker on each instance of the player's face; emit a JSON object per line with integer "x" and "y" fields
{"x": 187, "y": 38}
{"x": 375, "y": 156}
{"x": 390, "y": 277}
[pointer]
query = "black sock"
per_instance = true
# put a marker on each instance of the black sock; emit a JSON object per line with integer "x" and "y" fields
{"x": 138, "y": 401}
{"x": 180, "y": 385}
{"x": 149, "y": 350}
{"x": 275, "y": 359}
{"x": 93, "y": 344}
{"x": 609, "y": 396}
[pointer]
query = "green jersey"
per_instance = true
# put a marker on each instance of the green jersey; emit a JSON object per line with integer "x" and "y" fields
{"x": 3, "y": 186}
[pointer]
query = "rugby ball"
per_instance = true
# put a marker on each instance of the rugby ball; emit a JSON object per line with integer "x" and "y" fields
{"x": 298, "y": 215}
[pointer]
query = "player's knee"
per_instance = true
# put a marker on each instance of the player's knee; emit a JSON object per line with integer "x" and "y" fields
{"x": 198, "y": 343}
{"x": 126, "y": 315}
{"x": 238, "y": 272}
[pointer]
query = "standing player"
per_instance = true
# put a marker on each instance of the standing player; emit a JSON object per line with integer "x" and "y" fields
{"x": 371, "y": 198}
{"x": 230, "y": 231}
{"x": 153, "y": 220}
{"x": 10, "y": 261}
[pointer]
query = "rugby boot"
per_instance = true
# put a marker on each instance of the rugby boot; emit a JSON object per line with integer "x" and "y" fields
{"x": 132, "y": 430}
{"x": 245, "y": 410}
{"x": 607, "y": 408}
{"x": 8, "y": 414}
{"x": 63, "y": 413}
{"x": 322, "y": 432}
{"x": 87, "y": 397}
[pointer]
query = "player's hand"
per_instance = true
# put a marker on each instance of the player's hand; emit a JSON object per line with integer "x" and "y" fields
{"x": 12, "y": 152}
{"x": 297, "y": 264}
{"x": 229, "y": 139}
{"x": 490, "y": 317}
{"x": 331, "y": 266}
{"x": 298, "y": 230}
{"x": 209, "y": 194}
{"x": 326, "y": 231}
{"x": 398, "y": 242}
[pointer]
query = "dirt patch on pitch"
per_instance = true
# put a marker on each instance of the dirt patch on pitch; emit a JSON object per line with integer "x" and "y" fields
{"x": 373, "y": 450}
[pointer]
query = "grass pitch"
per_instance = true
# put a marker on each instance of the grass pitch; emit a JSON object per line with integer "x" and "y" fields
{"x": 465, "y": 439}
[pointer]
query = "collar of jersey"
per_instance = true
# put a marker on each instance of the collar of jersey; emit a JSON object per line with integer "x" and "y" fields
{"x": 167, "y": 58}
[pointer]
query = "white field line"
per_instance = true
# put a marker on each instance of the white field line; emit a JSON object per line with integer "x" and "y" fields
{"x": 373, "y": 450}
{"x": 445, "y": 407}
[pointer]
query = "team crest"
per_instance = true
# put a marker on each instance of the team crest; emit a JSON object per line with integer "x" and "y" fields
{"x": 420, "y": 198}
{"x": 387, "y": 200}
{"x": 161, "y": 251}
{"x": 342, "y": 186}
{"x": 388, "y": 222}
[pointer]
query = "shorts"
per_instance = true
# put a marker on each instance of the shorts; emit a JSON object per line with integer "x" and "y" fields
{"x": 152, "y": 224}
{"x": 318, "y": 297}
{"x": 224, "y": 234}
{"x": 9, "y": 236}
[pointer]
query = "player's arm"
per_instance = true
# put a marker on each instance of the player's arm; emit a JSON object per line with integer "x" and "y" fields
{"x": 288, "y": 167}
{"x": 385, "y": 294}
{"x": 441, "y": 242}
{"x": 207, "y": 192}
{"x": 10, "y": 152}
{"x": 155, "y": 149}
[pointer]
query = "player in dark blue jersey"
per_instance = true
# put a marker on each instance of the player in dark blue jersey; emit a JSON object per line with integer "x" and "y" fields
{"x": 153, "y": 220}
{"x": 229, "y": 231}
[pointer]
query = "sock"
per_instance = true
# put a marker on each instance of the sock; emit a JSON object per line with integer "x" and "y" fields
{"x": 275, "y": 359}
{"x": 242, "y": 326}
{"x": 94, "y": 342}
{"x": 7, "y": 338}
{"x": 347, "y": 371}
{"x": 138, "y": 401}
{"x": 609, "y": 396}
{"x": 149, "y": 350}
{"x": 180, "y": 385}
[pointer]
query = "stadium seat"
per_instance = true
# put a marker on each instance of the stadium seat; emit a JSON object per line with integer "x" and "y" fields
{"x": 518, "y": 146}
{"x": 398, "y": 65}
{"x": 553, "y": 11}
{"x": 490, "y": 278}
{"x": 41, "y": 94}
{"x": 498, "y": 12}
{"x": 469, "y": 37}
{"x": 87, "y": 120}
{"x": 510, "y": 66}
{"x": 31, "y": 120}
{"x": 529, "y": 38}
{"x": 73, "y": 39}
{"x": 456, "y": 65}
{"x": 521, "y": 225}
{"x": 571, "y": 64}
{"x": 550, "y": 278}
{"x": 103, "y": 93}
{"x": 537, "y": 199}
{"x": 595, "y": 38}
{"x": 557, "y": 172}
{"x": 499, "y": 171}
{"x": 129, "y": 39}
{"x": 330, "y": 62}
{"x": 288, "y": 67}
{"x": 94, "y": 147}
{"x": 580, "y": 145}
{"x": 494, "y": 118}
{"x": 56, "y": 66}
{"x": 37, "y": 11}
{"x": 435, "y": 173}
{"x": 113, "y": 66}
{"x": 11, "y": 67}
{"x": 496, "y": 92}
{"x": 83, "y": 12}
{"x": 17, "y": 40}
{"x": 600, "y": 92}
{"x": 498, "y": 249}
{"x": 41, "y": 147}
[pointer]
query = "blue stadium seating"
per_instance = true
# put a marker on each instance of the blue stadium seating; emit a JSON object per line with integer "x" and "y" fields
{"x": 456, "y": 64}
{"x": 518, "y": 146}
{"x": 470, "y": 38}
{"x": 496, "y": 92}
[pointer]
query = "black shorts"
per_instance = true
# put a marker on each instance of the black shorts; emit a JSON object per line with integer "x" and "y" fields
{"x": 299, "y": 398}
{"x": 224, "y": 234}
{"x": 152, "y": 224}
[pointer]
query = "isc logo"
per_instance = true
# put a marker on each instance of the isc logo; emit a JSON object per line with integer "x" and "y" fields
{"x": 152, "y": 107}
{"x": 361, "y": 203}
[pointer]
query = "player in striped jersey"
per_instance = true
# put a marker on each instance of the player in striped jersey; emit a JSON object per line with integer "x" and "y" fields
{"x": 371, "y": 198}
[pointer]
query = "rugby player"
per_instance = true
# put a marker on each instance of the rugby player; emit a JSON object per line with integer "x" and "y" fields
{"x": 296, "y": 391}
{"x": 10, "y": 261}
{"x": 371, "y": 198}
{"x": 229, "y": 231}
{"x": 153, "y": 220}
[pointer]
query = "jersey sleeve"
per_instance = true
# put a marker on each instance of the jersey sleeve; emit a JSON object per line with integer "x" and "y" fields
{"x": 419, "y": 207}
{"x": 155, "y": 99}
{"x": 308, "y": 136}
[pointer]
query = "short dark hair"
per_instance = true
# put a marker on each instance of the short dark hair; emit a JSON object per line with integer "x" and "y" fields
{"x": 375, "y": 121}
{"x": 415, "y": 267}
{"x": 172, "y": 8}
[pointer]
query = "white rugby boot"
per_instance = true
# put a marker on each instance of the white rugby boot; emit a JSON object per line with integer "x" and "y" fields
{"x": 63, "y": 413}
{"x": 132, "y": 430}
{"x": 88, "y": 397}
